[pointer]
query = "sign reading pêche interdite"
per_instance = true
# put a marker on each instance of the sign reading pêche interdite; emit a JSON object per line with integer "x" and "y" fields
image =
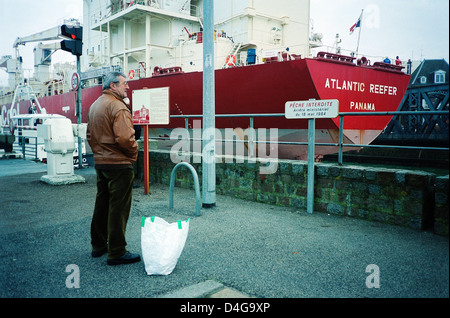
{"x": 327, "y": 108}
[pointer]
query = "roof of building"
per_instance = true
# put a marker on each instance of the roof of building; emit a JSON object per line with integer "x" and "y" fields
{"x": 427, "y": 69}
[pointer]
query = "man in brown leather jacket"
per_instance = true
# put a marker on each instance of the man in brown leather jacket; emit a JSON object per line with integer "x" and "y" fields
{"x": 111, "y": 136}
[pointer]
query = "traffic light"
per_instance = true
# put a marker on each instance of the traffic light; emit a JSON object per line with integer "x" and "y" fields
{"x": 75, "y": 44}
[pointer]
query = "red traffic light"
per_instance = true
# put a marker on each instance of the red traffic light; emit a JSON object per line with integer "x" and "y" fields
{"x": 73, "y": 32}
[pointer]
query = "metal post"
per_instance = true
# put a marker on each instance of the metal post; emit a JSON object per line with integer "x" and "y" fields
{"x": 311, "y": 151}
{"x": 146, "y": 162}
{"x": 80, "y": 140}
{"x": 251, "y": 142}
{"x": 186, "y": 126}
{"x": 208, "y": 135}
{"x": 341, "y": 139}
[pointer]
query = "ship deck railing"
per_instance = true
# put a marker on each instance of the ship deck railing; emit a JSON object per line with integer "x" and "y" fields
{"x": 340, "y": 144}
{"x": 363, "y": 61}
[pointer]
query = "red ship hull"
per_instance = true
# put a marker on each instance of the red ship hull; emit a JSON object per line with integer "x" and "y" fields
{"x": 263, "y": 89}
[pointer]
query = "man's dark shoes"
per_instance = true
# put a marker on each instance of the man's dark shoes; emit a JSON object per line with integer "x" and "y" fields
{"x": 99, "y": 253}
{"x": 126, "y": 258}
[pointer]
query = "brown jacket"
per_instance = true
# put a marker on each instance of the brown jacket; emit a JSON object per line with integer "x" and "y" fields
{"x": 110, "y": 131}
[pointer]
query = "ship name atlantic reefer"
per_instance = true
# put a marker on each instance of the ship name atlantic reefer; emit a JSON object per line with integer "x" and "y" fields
{"x": 334, "y": 83}
{"x": 347, "y": 85}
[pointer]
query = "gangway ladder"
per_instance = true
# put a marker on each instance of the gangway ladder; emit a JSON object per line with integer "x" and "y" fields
{"x": 196, "y": 184}
{"x": 30, "y": 95}
{"x": 234, "y": 50}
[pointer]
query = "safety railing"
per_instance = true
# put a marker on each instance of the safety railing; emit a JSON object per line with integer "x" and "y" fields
{"x": 118, "y": 6}
{"x": 28, "y": 146}
{"x": 252, "y": 140}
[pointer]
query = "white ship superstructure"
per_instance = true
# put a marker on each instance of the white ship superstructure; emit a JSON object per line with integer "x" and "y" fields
{"x": 141, "y": 35}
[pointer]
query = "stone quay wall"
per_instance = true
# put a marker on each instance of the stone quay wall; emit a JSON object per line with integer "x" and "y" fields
{"x": 414, "y": 199}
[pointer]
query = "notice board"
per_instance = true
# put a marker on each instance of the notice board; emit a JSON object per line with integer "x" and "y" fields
{"x": 151, "y": 106}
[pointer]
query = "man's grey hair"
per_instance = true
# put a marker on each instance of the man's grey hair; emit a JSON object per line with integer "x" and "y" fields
{"x": 112, "y": 77}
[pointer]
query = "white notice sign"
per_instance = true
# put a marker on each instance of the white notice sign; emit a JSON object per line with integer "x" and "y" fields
{"x": 151, "y": 106}
{"x": 312, "y": 109}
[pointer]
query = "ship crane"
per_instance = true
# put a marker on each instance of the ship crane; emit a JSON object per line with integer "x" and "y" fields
{"x": 42, "y": 52}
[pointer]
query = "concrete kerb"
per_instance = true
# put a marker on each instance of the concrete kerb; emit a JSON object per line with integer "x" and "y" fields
{"x": 206, "y": 289}
{"x": 200, "y": 290}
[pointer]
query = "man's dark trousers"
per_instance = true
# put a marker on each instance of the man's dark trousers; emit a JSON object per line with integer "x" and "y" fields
{"x": 112, "y": 209}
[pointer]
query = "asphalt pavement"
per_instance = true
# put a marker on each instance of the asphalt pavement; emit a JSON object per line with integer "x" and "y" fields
{"x": 236, "y": 249}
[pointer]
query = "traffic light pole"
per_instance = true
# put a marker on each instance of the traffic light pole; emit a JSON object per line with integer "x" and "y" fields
{"x": 80, "y": 141}
{"x": 73, "y": 43}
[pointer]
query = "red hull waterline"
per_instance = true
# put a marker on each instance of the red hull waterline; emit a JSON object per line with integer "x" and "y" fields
{"x": 264, "y": 89}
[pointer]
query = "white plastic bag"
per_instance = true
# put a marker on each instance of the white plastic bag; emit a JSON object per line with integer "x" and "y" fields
{"x": 162, "y": 244}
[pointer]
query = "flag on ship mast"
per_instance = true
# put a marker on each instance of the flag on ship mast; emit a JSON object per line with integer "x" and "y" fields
{"x": 357, "y": 24}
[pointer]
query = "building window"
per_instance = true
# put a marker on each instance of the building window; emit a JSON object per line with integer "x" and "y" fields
{"x": 423, "y": 80}
{"x": 439, "y": 77}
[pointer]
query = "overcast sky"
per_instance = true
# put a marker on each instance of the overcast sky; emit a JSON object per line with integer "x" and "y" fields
{"x": 415, "y": 29}
{"x": 412, "y": 29}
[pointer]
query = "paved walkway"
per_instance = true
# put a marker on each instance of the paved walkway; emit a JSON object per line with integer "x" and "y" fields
{"x": 237, "y": 249}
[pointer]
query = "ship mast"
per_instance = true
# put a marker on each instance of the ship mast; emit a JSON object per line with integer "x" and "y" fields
{"x": 359, "y": 33}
